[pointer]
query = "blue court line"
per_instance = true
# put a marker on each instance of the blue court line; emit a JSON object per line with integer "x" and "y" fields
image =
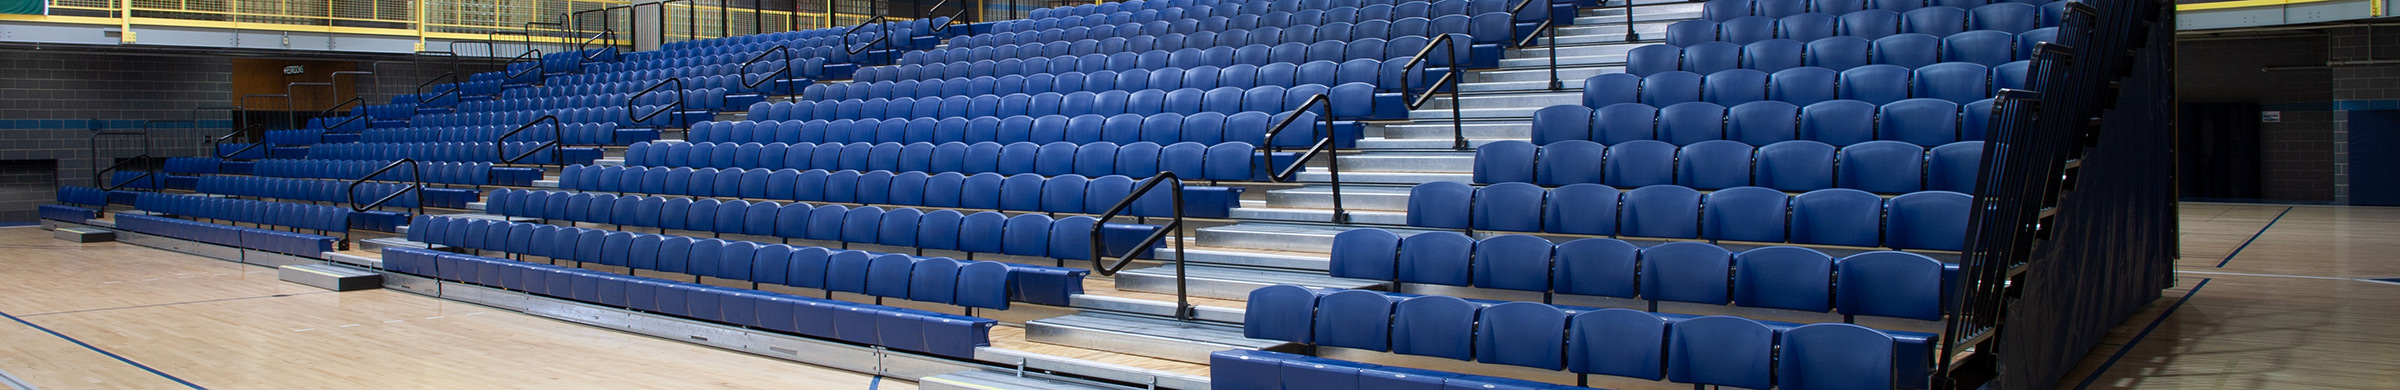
{"x": 2254, "y": 237}
{"x": 2137, "y": 337}
{"x": 102, "y": 351}
{"x": 877, "y": 382}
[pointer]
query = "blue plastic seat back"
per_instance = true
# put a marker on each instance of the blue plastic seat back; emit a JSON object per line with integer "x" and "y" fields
{"x": 1984, "y": 47}
{"x": 1508, "y": 161}
{"x": 1355, "y": 319}
{"x": 1733, "y": 87}
{"x": 1513, "y": 262}
{"x": 1763, "y": 122}
{"x": 1667, "y": 88}
{"x": 1371, "y": 254}
{"x": 1838, "y": 122}
{"x": 1514, "y": 206}
{"x": 1561, "y": 123}
{"x": 1582, "y": 209}
{"x": 1803, "y": 86}
{"x": 1619, "y": 342}
{"x": 1691, "y": 32}
{"x": 1755, "y": 214}
{"x": 1662, "y": 211}
{"x": 1280, "y": 312}
{"x": 1569, "y": 162}
{"x": 1907, "y": 50}
{"x": 1937, "y": 21}
{"x": 1596, "y": 266}
{"x": 1521, "y": 334}
{"x": 1721, "y": 350}
{"x": 1890, "y": 284}
{"x": 1747, "y": 29}
{"x": 1935, "y": 220}
{"x": 1870, "y": 24}
{"x": 1889, "y": 167}
{"x": 1876, "y": 84}
{"x": 1711, "y": 165}
{"x": 1436, "y": 258}
{"x": 1693, "y": 122}
{"x": 1640, "y": 163}
{"x": 1625, "y": 122}
{"x": 1837, "y": 216}
{"x": 1686, "y": 272}
{"x": 1807, "y": 26}
{"x": 1834, "y": 356}
{"x": 1924, "y": 122}
{"x": 1438, "y": 205}
{"x": 1955, "y": 167}
{"x": 1435, "y": 326}
{"x": 1783, "y": 277}
{"x": 1654, "y": 59}
{"x": 1794, "y": 166}
{"x": 1956, "y": 82}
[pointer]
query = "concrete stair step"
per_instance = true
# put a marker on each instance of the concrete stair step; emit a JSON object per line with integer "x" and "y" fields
{"x": 1354, "y": 198}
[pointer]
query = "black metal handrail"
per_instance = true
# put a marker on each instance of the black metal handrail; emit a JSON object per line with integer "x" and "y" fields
{"x": 884, "y": 35}
{"x": 501, "y": 144}
{"x": 220, "y": 140}
{"x": 1449, "y": 79}
{"x": 328, "y": 113}
{"x": 530, "y": 55}
{"x": 416, "y": 185}
{"x": 953, "y": 18}
{"x": 1100, "y": 262}
{"x": 1548, "y": 27}
{"x": 99, "y": 175}
{"x": 291, "y": 106}
{"x": 452, "y": 91}
{"x": 245, "y": 106}
{"x": 784, "y": 72}
{"x": 585, "y": 47}
{"x": 1323, "y": 135}
{"x": 670, "y": 107}
{"x": 1630, "y": 35}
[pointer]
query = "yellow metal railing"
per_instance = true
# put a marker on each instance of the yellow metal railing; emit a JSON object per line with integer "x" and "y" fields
{"x": 537, "y": 21}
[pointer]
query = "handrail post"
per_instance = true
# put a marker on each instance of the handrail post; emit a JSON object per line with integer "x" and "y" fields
{"x": 1099, "y": 249}
{"x": 1322, "y": 134}
{"x": 416, "y": 175}
{"x": 1630, "y": 34}
{"x": 678, "y": 105}
{"x": 1548, "y": 26}
{"x": 1450, "y": 78}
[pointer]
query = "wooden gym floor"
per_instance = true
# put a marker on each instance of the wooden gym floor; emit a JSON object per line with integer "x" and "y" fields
{"x": 2287, "y": 303}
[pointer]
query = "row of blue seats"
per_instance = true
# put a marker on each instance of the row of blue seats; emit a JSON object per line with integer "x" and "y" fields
{"x": 1720, "y": 10}
{"x": 1256, "y": 66}
{"x": 1169, "y": 89}
{"x": 1882, "y": 284}
{"x": 572, "y": 133}
{"x": 1701, "y": 350}
{"x": 1158, "y": 55}
{"x": 1349, "y": 100}
{"x": 459, "y": 173}
{"x": 1491, "y": 30}
{"x": 1064, "y": 16}
{"x": 331, "y": 191}
{"x": 973, "y": 284}
{"x": 318, "y": 218}
{"x": 297, "y": 244}
{"x": 613, "y": 113}
{"x": 482, "y": 152}
{"x": 66, "y": 213}
{"x": 2010, "y": 18}
{"x": 698, "y": 96}
{"x": 1880, "y": 166}
{"x": 904, "y": 329}
{"x": 1988, "y": 48}
{"x": 727, "y": 76}
{"x": 1030, "y": 235}
{"x": 572, "y": 61}
{"x": 1935, "y": 220}
{"x": 986, "y": 191}
{"x": 1207, "y": 128}
{"x": 1229, "y": 161}
{"x": 1925, "y": 122}
{"x": 142, "y": 180}
{"x": 1957, "y": 82}
{"x": 85, "y": 196}
{"x": 1242, "y": 369}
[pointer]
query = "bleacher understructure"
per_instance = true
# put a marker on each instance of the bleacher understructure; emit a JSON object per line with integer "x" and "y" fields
{"x": 1458, "y": 194}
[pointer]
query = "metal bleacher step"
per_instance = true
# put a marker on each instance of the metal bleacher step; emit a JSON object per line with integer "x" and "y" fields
{"x": 1446, "y": 161}
{"x": 1565, "y": 83}
{"x": 987, "y": 380}
{"x": 1152, "y": 307}
{"x": 1145, "y": 336}
{"x": 1564, "y": 60}
{"x": 1581, "y": 50}
{"x": 1317, "y": 215}
{"x": 1508, "y": 100}
{"x": 1442, "y": 130}
{"x": 1518, "y": 113}
{"x": 1422, "y": 143}
{"x": 1247, "y": 257}
{"x": 1227, "y": 282}
{"x": 1538, "y": 73}
{"x": 1354, "y": 198}
{"x": 1278, "y": 236}
{"x": 1375, "y": 177}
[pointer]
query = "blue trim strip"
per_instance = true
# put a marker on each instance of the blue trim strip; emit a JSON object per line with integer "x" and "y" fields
{"x": 2253, "y": 237}
{"x": 2137, "y": 338}
{"x": 102, "y": 351}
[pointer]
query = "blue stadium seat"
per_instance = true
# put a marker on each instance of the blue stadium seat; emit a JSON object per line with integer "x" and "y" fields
{"x": 1506, "y": 161}
{"x": 1747, "y": 29}
{"x": 1625, "y": 122}
{"x": 1437, "y": 326}
{"x": 1281, "y": 312}
{"x": 1755, "y": 214}
{"x": 1640, "y": 163}
{"x": 1570, "y": 162}
{"x": 1806, "y": 26}
{"x": 1582, "y": 209}
{"x": 1618, "y": 342}
{"x": 1693, "y": 122}
{"x": 1783, "y": 277}
{"x": 1521, "y": 334}
{"x": 1834, "y": 356}
{"x": 1890, "y": 284}
{"x": 1513, "y": 262}
{"x": 1955, "y": 167}
{"x": 1355, "y": 319}
{"x": 1370, "y": 254}
{"x": 1839, "y": 122}
{"x": 1722, "y": 351}
{"x": 1596, "y": 266}
{"x": 1513, "y": 206}
{"x": 1934, "y": 220}
{"x": 1436, "y": 258}
{"x": 1737, "y": 86}
{"x": 1762, "y": 122}
{"x": 1710, "y": 57}
{"x": 1925, "y": 122}
{"x": 1938, "y": 21}
{"x": 1804, "y": 86}
{"x": 1957, "y": 82}
{"x": 1667, "y": 88}
{"x": 1725, "y": 9}
{"x": 1653, "y": 59}
{"x": 1713, "y": 165}
{"x": 1436, "y": 204}
{"x": 1615, "y": 88}
{"x": 1876, "y": 84}
{"x": 1910, "y": 50}
{"x": 1686, "y": 272}
{"x": 1691, "y": 32}
{"x": 1869, "y": 24}
{"x": 1661, "y": 211}
{"x": 1882, "y": 167}
{"x": 1985, "y": 47}
{"x": 1837, "y": 216}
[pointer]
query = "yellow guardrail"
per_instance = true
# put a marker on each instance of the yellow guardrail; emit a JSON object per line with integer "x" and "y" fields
{"x": 536, "y": 21}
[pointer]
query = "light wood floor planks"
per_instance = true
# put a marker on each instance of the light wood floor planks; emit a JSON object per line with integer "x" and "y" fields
{"x": 2283, "y": 313}
{"x": 228, "y": 326}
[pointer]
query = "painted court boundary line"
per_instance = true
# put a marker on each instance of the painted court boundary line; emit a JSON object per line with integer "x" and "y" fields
{"x": 2137, "y": 337}
{"x": 2237, "y": 251}
{"x": 102, "y": 351}
{"x": 13, "y": 382}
